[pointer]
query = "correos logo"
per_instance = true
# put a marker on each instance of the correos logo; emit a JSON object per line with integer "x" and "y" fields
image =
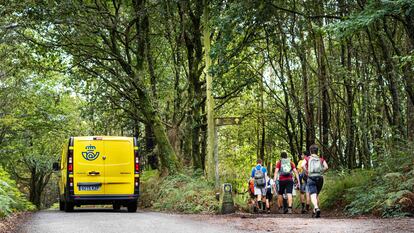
{"x": 89, "y": 154}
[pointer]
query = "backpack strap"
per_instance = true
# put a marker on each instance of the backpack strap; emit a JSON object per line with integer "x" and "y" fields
{"x": 255, "y": 168}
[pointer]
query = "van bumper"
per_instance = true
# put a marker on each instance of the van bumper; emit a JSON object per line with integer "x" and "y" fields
{"x": 103, "y": 199}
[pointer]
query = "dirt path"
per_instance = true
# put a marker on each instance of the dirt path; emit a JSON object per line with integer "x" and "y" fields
{"x": 299, "y": 223}
{"x": 107, "y": 220}
{"x": 10, "y": 223}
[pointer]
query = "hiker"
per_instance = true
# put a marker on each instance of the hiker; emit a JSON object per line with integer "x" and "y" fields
{"x": 307, "y": 154}
{"x": 314, "y": 167}
{"x": 270, "y": 185}
{"x": 252, "y": 200}
{"x": 303, "y": 185}
{"x": 283, "y": 173}
{"x": 259, "y": 176}
{"x": 284, "y": 196}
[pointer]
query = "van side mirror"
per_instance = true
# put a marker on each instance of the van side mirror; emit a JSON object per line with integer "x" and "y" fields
{"x": 56, "y": 166}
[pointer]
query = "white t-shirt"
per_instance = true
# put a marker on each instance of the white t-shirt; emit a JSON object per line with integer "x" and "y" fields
{"x": 269, "y": 183}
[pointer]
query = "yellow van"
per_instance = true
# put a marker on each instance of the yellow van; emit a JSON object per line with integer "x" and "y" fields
{"x": 99, "y": 170}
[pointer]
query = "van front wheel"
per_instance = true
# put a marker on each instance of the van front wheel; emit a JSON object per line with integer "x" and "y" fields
{"x": 132, "y": 207}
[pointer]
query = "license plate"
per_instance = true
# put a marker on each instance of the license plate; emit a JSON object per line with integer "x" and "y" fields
{"x": 89, "y": 187}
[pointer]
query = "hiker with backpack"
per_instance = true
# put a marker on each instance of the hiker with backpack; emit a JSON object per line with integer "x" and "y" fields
{"x": 283, "y": 174}
{"x": 252, "y": 200}
{"x": 314, "y": 167}
{"x": 303, "y": 184}
{"x": 259, "y": 176}
{"x": 270, "y": 186}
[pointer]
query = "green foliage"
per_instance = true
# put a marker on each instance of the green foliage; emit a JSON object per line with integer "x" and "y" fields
{"x": 241, "y": 201}
{"x": 387, "y": 191}
{"x": 37, "y": 114}
{"x": 11, "y": 199}
{"x": 337, "y": 184}
{"x": 186, "y": 193}
{"x": 373, "y": 12}
{"x": 267, "y": 67}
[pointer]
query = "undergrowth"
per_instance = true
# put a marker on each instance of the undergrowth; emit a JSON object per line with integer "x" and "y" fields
{"x": 335, "y": 192}
{"x": 11, "y": 199}
{"x": 188, "y": 192}
{"x": 387, "y": 191}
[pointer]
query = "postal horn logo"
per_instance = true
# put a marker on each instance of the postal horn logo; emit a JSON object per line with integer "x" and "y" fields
{"x": 89, "y": 154}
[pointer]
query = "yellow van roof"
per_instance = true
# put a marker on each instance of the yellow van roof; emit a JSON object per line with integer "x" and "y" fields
{"x": 106, "y": 138}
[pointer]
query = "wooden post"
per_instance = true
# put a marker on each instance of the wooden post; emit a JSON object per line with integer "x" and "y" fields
{"x": 216, "y": 160}
{"x": 221, "y": 121}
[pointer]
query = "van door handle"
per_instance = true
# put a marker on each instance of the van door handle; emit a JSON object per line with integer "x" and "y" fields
{"x": 93, "y": 173}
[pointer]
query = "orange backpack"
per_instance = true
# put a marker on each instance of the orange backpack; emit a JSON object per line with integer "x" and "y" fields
{"x": 251, "y": 186}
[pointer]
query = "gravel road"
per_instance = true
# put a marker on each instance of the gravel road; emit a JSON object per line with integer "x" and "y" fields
{"x": 106, "y": 220}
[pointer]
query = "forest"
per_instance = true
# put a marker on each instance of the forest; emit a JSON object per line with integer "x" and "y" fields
{"x": 339, "y": 74}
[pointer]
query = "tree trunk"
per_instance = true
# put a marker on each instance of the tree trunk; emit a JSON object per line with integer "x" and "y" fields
{"x": 262, "y": 122}
{"x": 169, "y": 163}
{"x": 324, "y": 90}
{"x": 349, "y": 118}
{"x": 150, "y": 146}
{"x": 396, "y": 121}
{"x": 168, "y": 158}
{"x": 410, "y": 120}
{"x": 408, "y": 78}
{"x": 307, "y": 103}
{"x": 190, "y": 20}
{"x": 210, "y": 165}
{"x": 377, "y": 134}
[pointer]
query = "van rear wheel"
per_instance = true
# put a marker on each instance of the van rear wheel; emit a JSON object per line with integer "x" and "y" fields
{"x": 61, "y": 205}
{"x": 69, "y": 206}
{"x": 116, "y": 206}
{"x": 132, "y": 207}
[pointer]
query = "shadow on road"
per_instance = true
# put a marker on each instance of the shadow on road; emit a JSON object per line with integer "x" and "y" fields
{"x": 94, "y": 210}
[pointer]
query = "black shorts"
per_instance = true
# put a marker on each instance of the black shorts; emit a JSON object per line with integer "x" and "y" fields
{"x": 269, "y": 194}
{"x": 315, "y": 184}
{"x": 285, "y": 185}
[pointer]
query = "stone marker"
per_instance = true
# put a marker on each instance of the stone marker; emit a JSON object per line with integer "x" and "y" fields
{"x": 227, "y": 205}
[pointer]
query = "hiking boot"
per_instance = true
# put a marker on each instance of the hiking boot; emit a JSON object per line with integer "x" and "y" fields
{"x": 289, "y": 211}
{"x": 281, "y": 211}
{"x": 318, "y": 213}
{"x": 268, "y": 211}
{"x": 285, "y": 211}
{"x": 303, "y": 211}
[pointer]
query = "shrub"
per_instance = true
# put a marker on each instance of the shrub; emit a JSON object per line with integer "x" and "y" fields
{"x": 11, "y": 199}
{"x": 186, "y": 193}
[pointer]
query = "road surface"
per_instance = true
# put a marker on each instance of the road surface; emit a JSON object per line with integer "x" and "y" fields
{"x": 106, "y": 220}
